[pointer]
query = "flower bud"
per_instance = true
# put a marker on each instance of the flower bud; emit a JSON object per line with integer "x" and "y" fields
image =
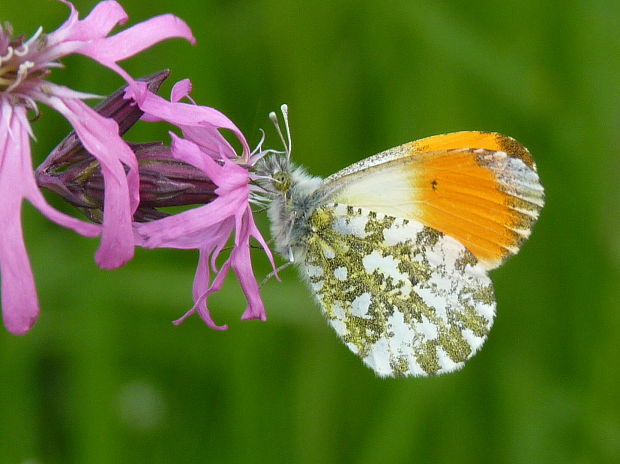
{"x": 74, "y": 174}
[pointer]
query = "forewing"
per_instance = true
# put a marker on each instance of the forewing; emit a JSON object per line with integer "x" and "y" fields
{"x": 407, "y": 299}
{"x": 481, "y": 188}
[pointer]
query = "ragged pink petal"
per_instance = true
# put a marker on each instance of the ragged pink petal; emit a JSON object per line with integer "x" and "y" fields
{"x": 99, "y": 22}
{"x": 180, "y": 90}
{"x": 74, "y": 33}
{"x": 227, "y": 175}
{"x": 129, "y": 42}
{"x": 216, "y": 286}
{"x": 65, "y": 28}
{"x": 89, "y": 36}
{"x": 100, "y": 137}
{"x": 242, "y": 265}
{"x": 202, "y": 310}
{"x": 185, "y": 114}
{"x": 185, "y": 230}
{"x": 20, "y": 307}
{"x": 17, "y": 122}
{"x": 211, "y": 141}
{"x": 202, "y": 287}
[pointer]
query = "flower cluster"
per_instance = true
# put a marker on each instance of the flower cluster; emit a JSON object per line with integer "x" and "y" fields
{"x": 207, "y": 228}
{"x": 119, "y": 185}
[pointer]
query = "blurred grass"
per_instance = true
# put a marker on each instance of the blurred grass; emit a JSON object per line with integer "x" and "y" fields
{"x": 105, "y": 378}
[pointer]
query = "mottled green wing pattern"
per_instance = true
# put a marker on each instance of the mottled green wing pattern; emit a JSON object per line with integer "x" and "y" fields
{"x": 408, "y": 300}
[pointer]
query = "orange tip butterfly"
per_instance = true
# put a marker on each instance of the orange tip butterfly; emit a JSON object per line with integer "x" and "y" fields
{"x": 396, "y": 247}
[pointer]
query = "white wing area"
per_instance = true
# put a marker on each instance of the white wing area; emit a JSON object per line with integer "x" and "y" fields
{"x": 385, "y": 188}
{"x": 408, "y": 300}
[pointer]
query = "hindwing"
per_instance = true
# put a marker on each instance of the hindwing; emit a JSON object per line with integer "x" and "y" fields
{"x": 407, "y": 299}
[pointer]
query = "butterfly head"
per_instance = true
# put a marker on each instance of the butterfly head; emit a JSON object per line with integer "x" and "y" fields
{"x": 274, "y": 171}
{"x": 288, "y": 191}
{"x": 274, "y": 174}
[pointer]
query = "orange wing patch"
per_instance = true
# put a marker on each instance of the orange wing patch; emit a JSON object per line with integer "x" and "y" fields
{"x": 485, "y": 198}
{"x": 475, "y": 139}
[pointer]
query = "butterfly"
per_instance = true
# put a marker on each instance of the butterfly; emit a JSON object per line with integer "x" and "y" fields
{"x": 396, "y": 247}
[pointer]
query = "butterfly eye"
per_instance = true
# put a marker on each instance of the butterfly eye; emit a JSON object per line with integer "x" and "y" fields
{"x": 282, "y": 181}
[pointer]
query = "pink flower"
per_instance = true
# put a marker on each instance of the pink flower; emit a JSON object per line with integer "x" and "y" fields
{"x": 24, "y": 66}
{"x": 207, "y": 228}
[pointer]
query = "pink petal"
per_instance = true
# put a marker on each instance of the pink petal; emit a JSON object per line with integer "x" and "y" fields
{"x": 216, "y": 286}
{"x": 129, "y": 42}
{"x": 211, "y": 141}
{"x": 228, "y": 176}
{"x": 189, "y": 228}
{"x": 61, "y": 91}
{"x": 16, "y": 122}
{"x": 202, "y": 278}
{"x": 177, "y": 113}
{"x": 72, "y": 35}
{"x": 101, "y": 20}
{"x": 89, "y": 36}
{"x": 201, "y": 284}
{"x": 100, "y": 137}
{"x": 182, "y": 114}
{"x": 204, "y": 314}
{"x": 138, "y": 38}
{"x": 186, "y": 230}
{"x": 183, "y": 318}
{"x": 201, "y": 291}
{"x": 180, "y": 90}
{"x": 65, "y": 29}
{"x": 189, "y": 152}
{"x": 242, "y": 265}
{"x": 20, "y": 307}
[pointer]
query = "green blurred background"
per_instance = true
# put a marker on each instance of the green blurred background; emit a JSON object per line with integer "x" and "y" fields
{"x": 105, "y": 378}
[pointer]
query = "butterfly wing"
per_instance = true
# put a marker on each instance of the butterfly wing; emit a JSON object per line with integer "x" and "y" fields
{"x": 481, "y": 188}
{"x": 407, "y": 299}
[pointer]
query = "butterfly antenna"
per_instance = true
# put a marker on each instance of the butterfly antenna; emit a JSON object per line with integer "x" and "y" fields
{"x": 284, "y": 109}
{"x": 285, "y": 141}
